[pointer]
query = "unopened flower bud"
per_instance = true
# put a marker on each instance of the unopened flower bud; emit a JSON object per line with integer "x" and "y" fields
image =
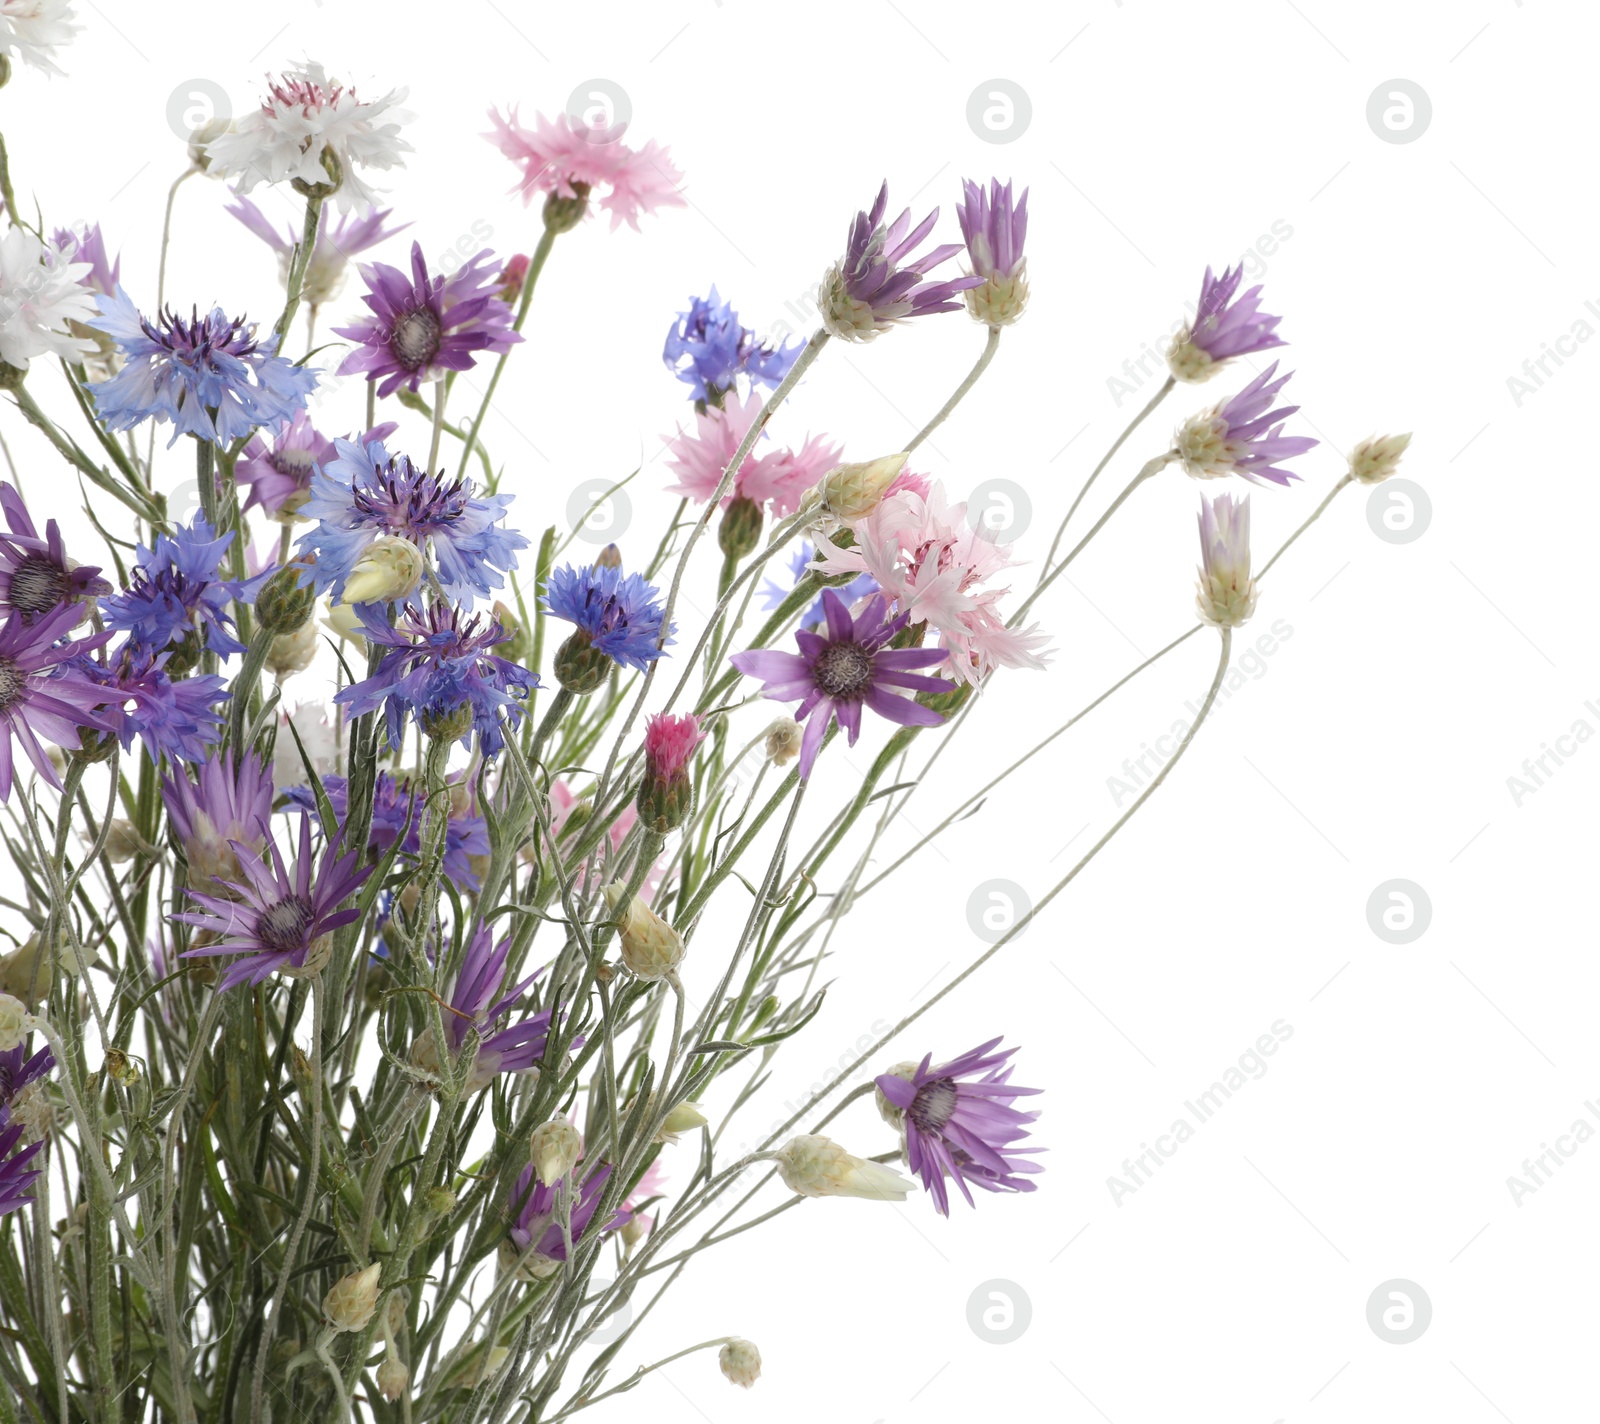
{"x": 283, "y": 606}
{"x": 740, "y": 529}
{"x": 393, "y": 1377}
{"x": 350, "y": 1303}
{"x": 123, "y": 841}
{"x": 684, "y": 1118}
{"x": 294, "y": 652}
{"x": 651, "y": 948}
{"x": 665, "y": 794}
{"x": 389, "y": 568}
{"x": 26, "y": 972}
{"x": 14, "y": 1023}
{"x": 783, "y": 741}
{"x": 341, "y": 620}
{"x": 852, "y": 492}
{"x": 208, "y": 133}
{"x": 439, "y": 1201}
{"x": 555, "y": 1150}
{"x": 512, "y": 277}
{"x": 764, "y": 1012}
{"x": 1378, "y": 457}
{"x": 515, "y": 647}
{"x": 740, "y": 1362}
{"x": 819, "y": 1167}
{"x": 609, "y": 557}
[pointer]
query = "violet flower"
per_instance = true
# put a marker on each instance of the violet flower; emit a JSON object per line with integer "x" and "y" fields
{"x": 1243, "y": 436}
{"x": 1222, "y": 328}
{"x": 42, "y": 692}
{"x": 995, "y": 229}
{"x": 36, "y": 577}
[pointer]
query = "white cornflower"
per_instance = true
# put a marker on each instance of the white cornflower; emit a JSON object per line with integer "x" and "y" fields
{"x": 32, "y": 30}
{"x": 304, "y": 116}
{"x": 317, "y": 735}
{"x": 1227, "y": 593}
{"x": 39, "y": 294}
{"x": 819, "y": 1167}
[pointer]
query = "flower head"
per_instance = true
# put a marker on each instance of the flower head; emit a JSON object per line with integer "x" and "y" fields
{"x": 88, "y": 245}
{"x": 226, "y": 803}
{"x": 1227, "y": 593}
{"x": 41, "y": 295}
{"x": 995, "y": 228}
{"x": 740, "y": 1363}
{"x": 778, "y": 477}
{"x": 535, "y": 1232}
{"x": 878, "y": 283}
{"x": 819, "y": 1167}
{"x": 665, "y": 793}
{"x": 277, "y": 919}
{"x": 314, "y": 132}
{"x": 958, "y": 1123}
{"x": 838, "y": 670}
{"x": 933, "y": 562}
{"x": 438, "y": 671}
{"x": 42, "y": 693}
{"x": 279, "y": 478}
{"x": 708, "y": 349}
{"x": 423, "y": 326}
{"x": 36, "y": 576}
{"x": 366, "y": 496}
{"x": 208, "y": 375}
{"x": 1378, "y": 457}
{"x": 339, "y": 240}
{"x": 175, "y": 592}
{"x": 571, "y": 164}
{"x": 1223, "y": 328}
{"x": 1243, "y": 436}
{"x": 34, "y": 29}
{"x": 618, "y": 620}
{"x": 137, "y": 697}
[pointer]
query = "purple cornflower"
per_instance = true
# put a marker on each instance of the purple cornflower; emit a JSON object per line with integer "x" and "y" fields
{"x": 1241, "y": 436}
{"x": 995, "y": 229}
{"x": 617, "y": 617}
{"x": 440, "y": 673}
{"x": 173, "y": 718}
{"x": 423, "y": 326}
{"x": 15, "y": 1174}
{"x": 42, "y": 691}
{"x": 208, "y": 375}
{"x": 958, "y": 1122}
{"x": 397, "y": 811}
{"x": 1222, "y": 328}
{"x": 339, "y": 239}
{"x": 535, "y": 1226}
{"x": 89, "y": 246}
{"x": 36, "y": 576}
{"x": 838, "y": 670}
{"x": 877, "y": 284}
{"x": 276, "y": 920}
{"x": 175, "y": 592}
{"x": 707, "y": 348}
{"x": 225, "y": 803}
{"x": 279, "y": 479}
{"x": 367, "y": 495}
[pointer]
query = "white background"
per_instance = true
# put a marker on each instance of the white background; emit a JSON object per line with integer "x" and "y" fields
{"x": 1374, "y": 744}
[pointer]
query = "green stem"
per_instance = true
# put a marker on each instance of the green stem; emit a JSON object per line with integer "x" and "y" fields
{"x": 989, "y": 348}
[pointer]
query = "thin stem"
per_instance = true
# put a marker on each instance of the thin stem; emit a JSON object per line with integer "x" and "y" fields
{"x": 989, "y": 348}
{"x": 1024, "y": 921}
{"x": 1134, "y": 424}
{"x": 166, "y": 234}
{"x": 440, "y": 394}
{"x": 1311, "y": 519}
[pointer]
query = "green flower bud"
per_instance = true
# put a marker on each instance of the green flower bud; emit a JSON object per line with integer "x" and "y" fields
{"x": 283, "y": 606}
{"x": 740, "y": 530}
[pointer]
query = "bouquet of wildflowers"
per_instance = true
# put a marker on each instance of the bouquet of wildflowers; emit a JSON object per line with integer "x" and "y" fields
{"x": 404, "y": 906}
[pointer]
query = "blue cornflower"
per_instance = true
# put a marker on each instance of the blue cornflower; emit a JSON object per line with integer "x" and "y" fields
{"x": 208, "y": 375}
{"x": 175, "y": 718}
{"x": 366, "y": 496}
{"x": 440, "y": 673}
{"x": 707, "y": 349}
{"x": 618, "y": 620}
{"x": 175, "y": 591}
{"x": 773, "y": 594}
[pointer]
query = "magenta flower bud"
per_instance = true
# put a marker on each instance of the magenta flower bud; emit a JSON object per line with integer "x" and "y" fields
{"x": 664, "y": 797}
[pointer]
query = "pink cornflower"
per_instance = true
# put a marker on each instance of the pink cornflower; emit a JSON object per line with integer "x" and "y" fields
{"x": 666, "y": 794}
{"x": 932, "y": 563}
{"x": 778, "y": 477}
{"x": 560, "y": 160}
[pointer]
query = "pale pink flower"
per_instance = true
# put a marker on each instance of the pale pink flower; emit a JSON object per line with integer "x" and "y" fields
{"x": 778, "y": 476}
{"x": 564, "y": 161}
{"x": 933, "y": 564}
